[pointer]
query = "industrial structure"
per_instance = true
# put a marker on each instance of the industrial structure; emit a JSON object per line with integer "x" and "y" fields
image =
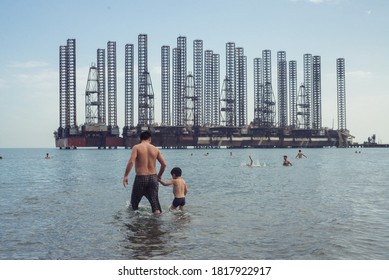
{"x": 341, "y": 91}
{"x": 198, "y": 109}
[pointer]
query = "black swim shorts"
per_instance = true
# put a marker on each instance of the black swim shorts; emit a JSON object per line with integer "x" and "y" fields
{"x": 179, "y": 202}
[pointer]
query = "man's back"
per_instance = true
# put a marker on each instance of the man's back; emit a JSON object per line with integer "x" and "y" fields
{"x": 145, "y": 158}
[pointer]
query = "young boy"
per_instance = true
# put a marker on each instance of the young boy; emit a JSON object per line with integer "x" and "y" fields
{"x": 179, "y": 188}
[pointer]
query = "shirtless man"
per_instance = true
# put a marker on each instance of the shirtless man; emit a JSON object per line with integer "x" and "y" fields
{"x": 287, "y": 162}
{"x": 300, "y": 154}
{"x": 144, "y": 155}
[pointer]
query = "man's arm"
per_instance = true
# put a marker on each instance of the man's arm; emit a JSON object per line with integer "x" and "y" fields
{"x": 130, "y": 164}
{"x": 162, "y": 162}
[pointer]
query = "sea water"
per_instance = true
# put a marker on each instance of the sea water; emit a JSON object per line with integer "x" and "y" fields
{"x": 331, "y": 205}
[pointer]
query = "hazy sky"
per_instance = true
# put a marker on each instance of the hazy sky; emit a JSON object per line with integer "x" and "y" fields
{"x": 32, "y": 31}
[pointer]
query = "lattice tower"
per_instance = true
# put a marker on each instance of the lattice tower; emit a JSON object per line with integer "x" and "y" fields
{"x": 179, "y": 81}
{"x": 198, "y": 81}
{"x": 258, "y": 91}
{"x": 143, "y": 102}
{"x": 208, "y": 87}
{"x": 341, "y": 93}
{"x": 71, "y": 87}
{"x": 241, "y": 87}
{"x": 181, "y": 45}
{"x": 150, "y": 96}
{"x": 92, "y": 97}
{"x": 64, "y": 119}
{"x": 67, "y": 88}
{"x": 129, "y": 86}
{"x": 268, "y": 108}
{"x": 189, "y": 100}
{"x": 165, "y": 85}
{"x": 112, "y": 86}
{"x": 176, "y": 104}
{"x": 303, "y": 109}
{"x": 223, "y": 103}
{"x": 308, "y": 89}
{"x": 230, "y": 86}
{"x": 293, "y": 92}
{"x": 101, "y": 85}
{"x": 316, "y": 93}
{"x": 282, "y": 89}
{"x": 215, "y": 118}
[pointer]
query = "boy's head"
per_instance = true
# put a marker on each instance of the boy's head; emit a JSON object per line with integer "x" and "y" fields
{"x": 176, "y": 171}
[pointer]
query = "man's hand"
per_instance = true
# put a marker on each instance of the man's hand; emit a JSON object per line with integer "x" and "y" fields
{"x": 125, "y": 181}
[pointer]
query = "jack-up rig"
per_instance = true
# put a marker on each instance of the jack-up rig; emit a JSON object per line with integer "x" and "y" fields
{"x": 195, "y": 110}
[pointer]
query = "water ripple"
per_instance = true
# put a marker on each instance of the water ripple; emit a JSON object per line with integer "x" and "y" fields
{"x": 332, "y": 205}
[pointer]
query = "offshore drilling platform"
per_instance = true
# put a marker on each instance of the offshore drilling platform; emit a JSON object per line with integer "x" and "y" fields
{"x": 197, "y": 108}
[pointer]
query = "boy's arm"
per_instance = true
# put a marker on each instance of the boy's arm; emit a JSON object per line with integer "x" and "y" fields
{"x": 186, "y": 189}
{"x": 168, "y": 183}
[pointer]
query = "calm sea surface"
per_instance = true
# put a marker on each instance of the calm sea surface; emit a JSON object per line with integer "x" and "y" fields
{"x": 331, "y": 205}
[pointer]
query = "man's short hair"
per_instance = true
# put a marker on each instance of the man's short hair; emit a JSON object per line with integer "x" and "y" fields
{"x": 145, "y": 135}
{"x": 176, "y": 171}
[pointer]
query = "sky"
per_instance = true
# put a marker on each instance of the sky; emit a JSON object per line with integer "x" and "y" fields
{"x": 33, "y": 30}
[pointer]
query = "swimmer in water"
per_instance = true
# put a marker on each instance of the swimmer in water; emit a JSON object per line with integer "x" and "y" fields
{"x": 251, "y": 162}
{"x": 287, "y": 162}
{"x": 300, "y": 154}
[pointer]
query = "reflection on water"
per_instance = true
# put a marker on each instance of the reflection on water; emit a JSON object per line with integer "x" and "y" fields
{"x": 148, "y": 236}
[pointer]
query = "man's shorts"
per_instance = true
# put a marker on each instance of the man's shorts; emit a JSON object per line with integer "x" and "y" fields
{"x": 145, "y": 185}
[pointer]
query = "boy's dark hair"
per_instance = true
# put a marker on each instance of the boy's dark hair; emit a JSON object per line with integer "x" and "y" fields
{"x": 176, "y": 171}
{"x": 145, "y": 135}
